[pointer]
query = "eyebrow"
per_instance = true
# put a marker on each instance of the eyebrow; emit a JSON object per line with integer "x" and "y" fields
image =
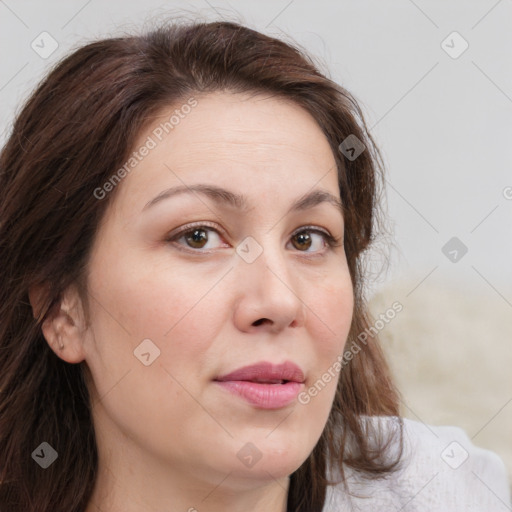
{"x": 239, "y": 201}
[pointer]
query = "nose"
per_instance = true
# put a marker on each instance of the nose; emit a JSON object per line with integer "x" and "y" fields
{"x": 268, "y": 292}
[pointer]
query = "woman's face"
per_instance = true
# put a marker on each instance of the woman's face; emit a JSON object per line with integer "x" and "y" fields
{"x": 172, "y": 309}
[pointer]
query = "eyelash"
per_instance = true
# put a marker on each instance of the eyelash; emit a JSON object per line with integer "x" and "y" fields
{"x": 332, "y": 242}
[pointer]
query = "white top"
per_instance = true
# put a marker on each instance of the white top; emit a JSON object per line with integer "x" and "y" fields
{"x": 442, "y": 472}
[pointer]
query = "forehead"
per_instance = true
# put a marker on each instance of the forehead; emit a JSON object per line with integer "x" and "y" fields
{"x": 241, "y": 141}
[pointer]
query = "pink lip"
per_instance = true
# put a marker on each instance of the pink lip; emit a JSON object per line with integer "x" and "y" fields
{"x": 266, "y": 371}
{"x": 265, "y": 395}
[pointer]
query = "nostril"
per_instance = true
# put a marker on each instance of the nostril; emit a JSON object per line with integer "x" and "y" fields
{"x": 260, "y": 321}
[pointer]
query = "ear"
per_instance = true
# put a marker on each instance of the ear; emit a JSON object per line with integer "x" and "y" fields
{"x": 64, "y": 330}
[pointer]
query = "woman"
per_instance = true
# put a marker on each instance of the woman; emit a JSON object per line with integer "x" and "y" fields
{"x": 182, "y": 224}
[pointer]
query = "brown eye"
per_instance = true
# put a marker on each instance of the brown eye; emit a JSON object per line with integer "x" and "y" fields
{"x": 196, "y": 238}
{"x": 303, "y": 240}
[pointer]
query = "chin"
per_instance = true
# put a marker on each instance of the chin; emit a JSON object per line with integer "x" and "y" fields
{"x": 263, "y": 473}
{"x": 273, "y": 465}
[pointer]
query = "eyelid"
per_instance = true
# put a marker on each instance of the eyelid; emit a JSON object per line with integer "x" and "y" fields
{"x": 189, "y": 227}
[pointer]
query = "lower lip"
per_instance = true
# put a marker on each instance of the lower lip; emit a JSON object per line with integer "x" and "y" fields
{"x": 265, "y": 396}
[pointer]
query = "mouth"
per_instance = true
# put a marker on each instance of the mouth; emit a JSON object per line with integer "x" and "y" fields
{"x": 269, "y": 381}
{"x": 266, "y": 373}
{"x": 264, "y": 385}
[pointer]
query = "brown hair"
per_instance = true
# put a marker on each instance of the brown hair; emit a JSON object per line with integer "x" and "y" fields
{"x": 78, "y": 127}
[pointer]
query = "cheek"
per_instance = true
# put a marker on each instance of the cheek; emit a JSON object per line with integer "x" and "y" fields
{"x": 151, "y": 298}
{"x": 331, "y": 308}
{"x": 178, "y": 311}
{"x": 134, "y": 302}
{"x": 177, "y": 317}
{"x": 330, "y": 317}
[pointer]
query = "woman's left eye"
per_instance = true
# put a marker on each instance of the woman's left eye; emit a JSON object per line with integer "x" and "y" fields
{"x": 197, "y": 238}
{"x": 304, "y": 239}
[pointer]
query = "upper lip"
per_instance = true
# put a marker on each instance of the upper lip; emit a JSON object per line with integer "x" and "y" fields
{"x": 265, "y": 371}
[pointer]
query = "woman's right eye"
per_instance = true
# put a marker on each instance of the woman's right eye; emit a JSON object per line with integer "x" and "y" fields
{"x": 195, "y": 237}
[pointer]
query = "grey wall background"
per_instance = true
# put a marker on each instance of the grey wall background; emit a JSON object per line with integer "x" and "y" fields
{"x": 435, "y": 81}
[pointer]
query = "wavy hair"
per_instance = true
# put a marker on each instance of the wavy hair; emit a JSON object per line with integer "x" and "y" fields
{"x": 77, "y": 127}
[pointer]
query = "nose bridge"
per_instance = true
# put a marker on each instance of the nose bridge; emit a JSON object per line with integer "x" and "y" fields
{"x": 267, "y": 290}
{"x": 267, "y": 268}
